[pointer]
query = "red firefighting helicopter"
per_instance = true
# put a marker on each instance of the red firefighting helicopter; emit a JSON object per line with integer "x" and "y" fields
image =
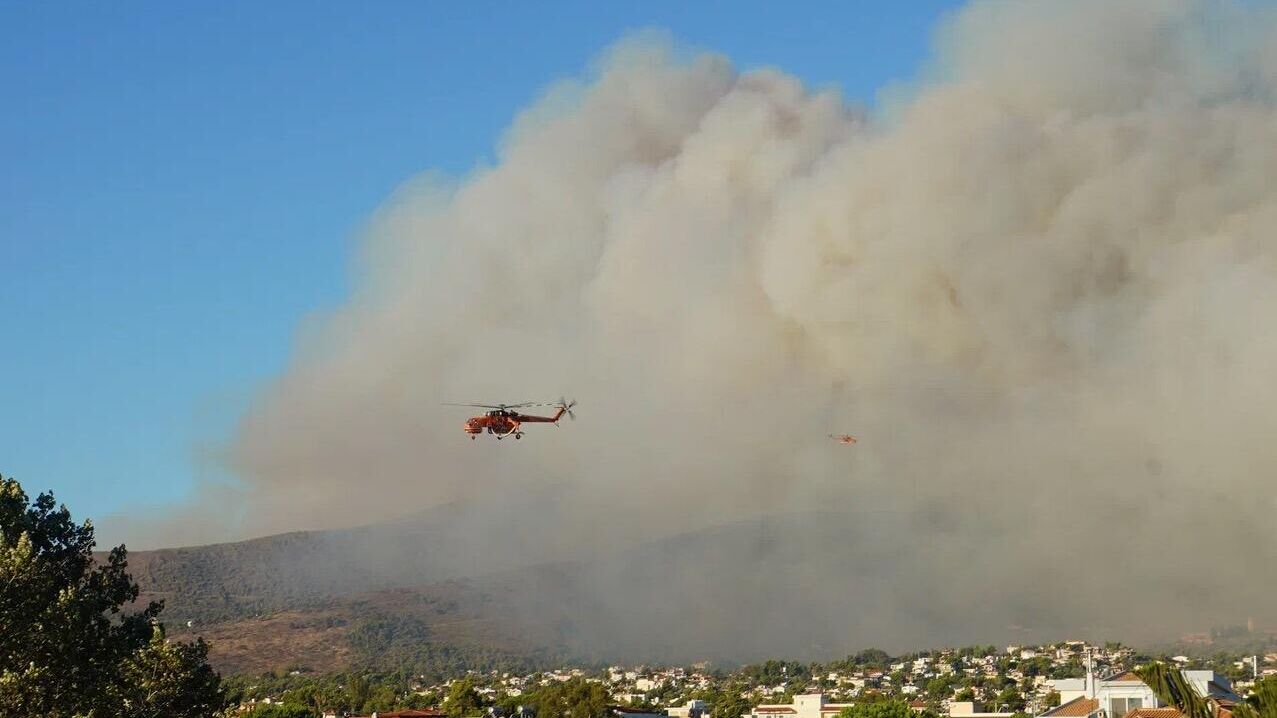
{"x": 843, "y": 438}
{"x": 502, "y": 420}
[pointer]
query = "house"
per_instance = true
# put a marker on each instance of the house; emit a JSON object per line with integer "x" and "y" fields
{"x": 1125, "y": 695}
{"x": 971, "y": 709}
{"x": 810, "y": 705}
{"x": 693, "y": 709}
{"x": 1068, "y": 688}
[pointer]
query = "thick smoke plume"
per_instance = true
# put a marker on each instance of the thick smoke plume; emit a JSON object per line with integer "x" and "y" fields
{"x": 1039, "y": 286}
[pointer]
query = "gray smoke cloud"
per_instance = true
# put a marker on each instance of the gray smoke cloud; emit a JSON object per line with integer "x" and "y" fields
{"x": 1038, "y": 285}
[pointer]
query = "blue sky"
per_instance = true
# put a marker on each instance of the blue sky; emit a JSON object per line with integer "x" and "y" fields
{"x": 181, "y": 184}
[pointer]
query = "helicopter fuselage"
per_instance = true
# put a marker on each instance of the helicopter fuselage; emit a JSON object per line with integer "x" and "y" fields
{"x": 502, "y": 423}
{"x": 499, "y": 423}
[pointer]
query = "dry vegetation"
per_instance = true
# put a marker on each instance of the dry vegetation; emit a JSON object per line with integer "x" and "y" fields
{"x": 432, "y": 628}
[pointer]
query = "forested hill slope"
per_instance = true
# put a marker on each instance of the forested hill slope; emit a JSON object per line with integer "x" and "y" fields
{"x": 809, "y": 585}
{"x": 227, "y": 581}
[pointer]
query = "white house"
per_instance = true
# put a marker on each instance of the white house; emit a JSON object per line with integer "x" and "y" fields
{"x": 693, "y": 709}
{"x": 971, "y": 709}
{"x": 1117, "y": 696}
{"x": 811, "y": 705}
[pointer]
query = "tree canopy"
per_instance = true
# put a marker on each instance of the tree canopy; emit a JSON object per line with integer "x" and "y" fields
{"x": 883, "y": 709}
{"x": 730, "y": 703}
{"x": 68, "y": 646}
{"x": 463, "y": 699}
{"x": 573, "y": 698}
{"x": 281, "y": 710}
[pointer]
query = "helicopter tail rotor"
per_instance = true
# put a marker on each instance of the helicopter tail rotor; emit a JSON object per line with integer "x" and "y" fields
{"x": 566, "y": 406}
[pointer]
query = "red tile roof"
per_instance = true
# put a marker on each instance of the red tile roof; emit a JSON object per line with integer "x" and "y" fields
{"x": 1153, "y": 713}
{"x": 1126, "y": 677}
{"x": 1077, "y": 708}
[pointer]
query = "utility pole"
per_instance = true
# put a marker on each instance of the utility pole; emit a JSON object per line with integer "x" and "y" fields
{"x": 1090, "y": 676}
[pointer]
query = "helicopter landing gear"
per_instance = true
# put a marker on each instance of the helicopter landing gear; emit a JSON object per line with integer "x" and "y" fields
{"x": 519, "y": 435}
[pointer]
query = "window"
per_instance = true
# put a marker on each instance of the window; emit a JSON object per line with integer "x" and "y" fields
{"x": 1119, "y": 707}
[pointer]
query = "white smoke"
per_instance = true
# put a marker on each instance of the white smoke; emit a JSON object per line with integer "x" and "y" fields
{"x": 1040, "y": 290}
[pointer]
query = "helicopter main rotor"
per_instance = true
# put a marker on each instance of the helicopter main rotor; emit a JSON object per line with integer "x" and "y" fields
{"x": 498, "y": 407}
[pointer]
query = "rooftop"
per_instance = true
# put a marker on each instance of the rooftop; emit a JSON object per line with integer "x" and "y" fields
{"x": 1154, "y": 713}
{"x": 1077, "y": 708}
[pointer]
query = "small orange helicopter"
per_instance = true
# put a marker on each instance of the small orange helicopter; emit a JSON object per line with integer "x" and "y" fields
{"x": 843, "y": 438}
{"x": 502, "y": 421}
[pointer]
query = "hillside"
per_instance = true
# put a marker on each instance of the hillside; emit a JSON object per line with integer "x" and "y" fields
{"x": 438, "y": 630}
{"x": 809, "y": 586}
{"x": 300, "y": 599}
{"x": 224, "y": 582}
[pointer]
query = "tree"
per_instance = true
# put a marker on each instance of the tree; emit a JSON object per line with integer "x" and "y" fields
{"x": 1174, "y": 690}
{"x": 1072, "y": 669}
{"x": 171, "y": 680}
{"x": 281, "y": 710}
{"x": 573, "y": 698}
{"x": 462, "y": 698}
{"x": 68, "y": 646}
{"x": 872, "y": 657}
{"x": 883, "y": 709}
{"x": 940, "y": 686}
{"x": 1009, "y": 699}
{"x": 1263, "y": 697}
{"x": 358, "y": 692}
{"x": 730, "y": 704}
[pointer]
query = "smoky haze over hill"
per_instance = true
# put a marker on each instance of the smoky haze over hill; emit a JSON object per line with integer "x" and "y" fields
{"x": 661, "y": 601}
{"x": 1037, "y": 285}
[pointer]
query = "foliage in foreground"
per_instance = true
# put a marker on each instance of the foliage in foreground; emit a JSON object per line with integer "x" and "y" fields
{"x": 68, "y": 647}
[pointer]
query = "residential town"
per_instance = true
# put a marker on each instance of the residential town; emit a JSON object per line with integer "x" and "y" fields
{"x": 1070, "y": 679}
